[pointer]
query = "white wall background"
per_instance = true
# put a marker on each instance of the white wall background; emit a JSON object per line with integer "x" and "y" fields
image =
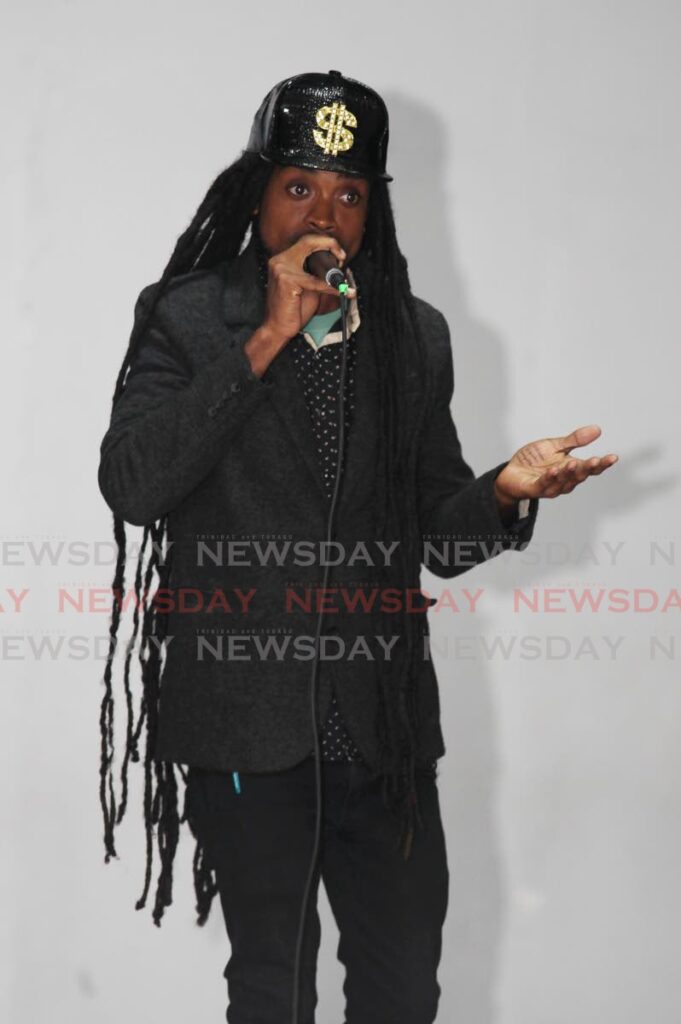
{"x": 536, "y": 158}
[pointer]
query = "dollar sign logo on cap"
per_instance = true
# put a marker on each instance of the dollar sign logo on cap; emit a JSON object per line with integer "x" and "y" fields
{"x": 335, "y": 136}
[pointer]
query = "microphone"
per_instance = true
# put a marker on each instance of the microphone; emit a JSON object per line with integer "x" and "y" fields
{"x": 323, "y": 264}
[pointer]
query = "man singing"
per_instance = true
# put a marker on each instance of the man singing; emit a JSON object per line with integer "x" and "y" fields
{"x": 234, "y": 397}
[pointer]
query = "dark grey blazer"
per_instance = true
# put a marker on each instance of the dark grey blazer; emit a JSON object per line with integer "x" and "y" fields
{"x": 197, "y": 437}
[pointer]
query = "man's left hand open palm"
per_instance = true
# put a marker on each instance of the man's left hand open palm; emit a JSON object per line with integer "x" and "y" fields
{"x": 545, "y": 469}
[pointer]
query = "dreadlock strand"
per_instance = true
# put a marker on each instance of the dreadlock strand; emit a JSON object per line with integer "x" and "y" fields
{"x": 167, "y": 837}
{"x": 395, "y": 285}
{"x": 131, "y": 752}
{"x": 151, "y": 685}
{"x": 205, "y": 884}
{"x": 133, "y": 734}
{"x": 106, "y": 794}
{"x": 161, "y": 805}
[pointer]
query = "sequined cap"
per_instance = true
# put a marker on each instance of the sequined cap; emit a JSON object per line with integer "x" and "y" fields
{"x": 325, "y": 122}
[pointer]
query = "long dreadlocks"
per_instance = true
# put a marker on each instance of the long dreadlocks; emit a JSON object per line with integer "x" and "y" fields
{"x": 216, "y": 234}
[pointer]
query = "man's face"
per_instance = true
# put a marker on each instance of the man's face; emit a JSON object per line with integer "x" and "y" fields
{"x": 298, "y": 201}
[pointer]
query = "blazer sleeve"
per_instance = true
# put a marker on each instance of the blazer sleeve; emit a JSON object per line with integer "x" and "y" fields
{"x": 458, "y": 513}
{"x": 170, "y": 426}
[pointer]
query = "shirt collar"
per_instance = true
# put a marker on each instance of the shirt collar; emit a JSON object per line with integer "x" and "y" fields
{"x": 353, "y": 320}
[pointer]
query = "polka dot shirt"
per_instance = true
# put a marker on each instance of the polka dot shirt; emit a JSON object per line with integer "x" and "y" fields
{"x": 318, "y": 370}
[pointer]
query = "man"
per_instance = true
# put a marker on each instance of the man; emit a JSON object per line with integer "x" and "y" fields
{"x": 224, "y": 439}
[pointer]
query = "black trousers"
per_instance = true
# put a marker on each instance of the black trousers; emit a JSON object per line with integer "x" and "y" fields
{"x": 389, "y": 911}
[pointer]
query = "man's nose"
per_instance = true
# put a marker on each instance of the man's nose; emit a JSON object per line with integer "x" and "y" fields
{"x": 321, "y": 216}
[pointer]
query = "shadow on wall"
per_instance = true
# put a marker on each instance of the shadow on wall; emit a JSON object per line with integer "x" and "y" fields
{"x": 468, "y": 773}
{"x": 425, "y": 181}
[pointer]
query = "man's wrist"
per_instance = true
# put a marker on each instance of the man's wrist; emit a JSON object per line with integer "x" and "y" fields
{"x": 508, "y": 513}
{"x": 262, "y": 347}
{"x": 508, "y": 507}
{"x": 512, "y": 511}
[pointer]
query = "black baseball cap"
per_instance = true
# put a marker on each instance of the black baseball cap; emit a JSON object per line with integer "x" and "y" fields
{"x": 325, "y": 122}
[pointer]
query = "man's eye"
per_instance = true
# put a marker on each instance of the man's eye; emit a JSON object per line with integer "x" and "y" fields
{"x": 354, "y": 197}
{"x": 297, "y": 184}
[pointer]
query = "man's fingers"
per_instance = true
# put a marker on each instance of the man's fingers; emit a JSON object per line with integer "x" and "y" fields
{"x": 590, "y": 467}
{"x": 291, "y": 280}
{"x": 563, "y": 479}
{"x": 315, "y": 243}
{"x": 309, "y": 282}
{"x": 578, "y": 438}
{"x": 602, "y": 463}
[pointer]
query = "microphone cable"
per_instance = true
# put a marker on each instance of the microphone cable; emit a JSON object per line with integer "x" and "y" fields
{"x": 333, "y": 277}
